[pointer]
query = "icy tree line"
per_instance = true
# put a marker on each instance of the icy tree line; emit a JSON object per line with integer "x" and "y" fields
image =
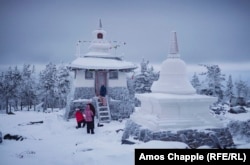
{"x": 218, "y": 85}
{"x": 25, "y": 88}
{"x": 213, "y": 83}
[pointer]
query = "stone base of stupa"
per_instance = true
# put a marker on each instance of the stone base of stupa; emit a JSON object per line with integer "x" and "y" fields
{"x": 161, "y": 111}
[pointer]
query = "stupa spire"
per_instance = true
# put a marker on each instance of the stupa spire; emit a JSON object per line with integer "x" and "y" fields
{"x": 173, "y": 75}
{"x": 174, "y": 49}
{"x": 100, "y": 24}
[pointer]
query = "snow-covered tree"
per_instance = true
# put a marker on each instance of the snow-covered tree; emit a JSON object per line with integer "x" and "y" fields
{"x": 28, "y": 87}
{"x": 131, "y": 89}
{"x": 131, "y": 85}
{"x": 16, "y": 80}
{"x": 63, "y": 85}
{"x": 144, "y": 66}
{"x": 214, "y": 81}
{"x": 241, "y": 88}
{"x": 196, "y": 82}
{"x": 2, "y": 93}
{"x": 144, "y": 80}
{"x": 9, "y": 87}
{"x": 48, "y": 88}
{"x": 228, "y": 94}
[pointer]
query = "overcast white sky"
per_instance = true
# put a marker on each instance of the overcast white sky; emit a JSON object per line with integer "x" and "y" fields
{"x": 208, "y": 31}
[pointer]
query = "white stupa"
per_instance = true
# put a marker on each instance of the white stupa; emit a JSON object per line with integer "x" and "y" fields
{"x": 173, "y": 102}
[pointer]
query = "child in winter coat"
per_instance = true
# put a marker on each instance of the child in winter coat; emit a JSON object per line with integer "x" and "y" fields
{"x": 89, "y": 115}
{"x": 92, "y": 108}
{"x": 79, "y": 118}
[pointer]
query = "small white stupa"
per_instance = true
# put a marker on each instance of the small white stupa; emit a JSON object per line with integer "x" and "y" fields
{"x": 174, "y": 102}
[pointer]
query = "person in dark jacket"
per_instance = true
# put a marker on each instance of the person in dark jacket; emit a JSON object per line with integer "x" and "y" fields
{"x": 103, "y": 92}
{"x": 89, "y": 115}
{"x": 79, "y": 119}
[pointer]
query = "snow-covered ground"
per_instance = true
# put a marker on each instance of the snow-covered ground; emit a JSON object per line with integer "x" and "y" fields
{"x": 57, "y": 141}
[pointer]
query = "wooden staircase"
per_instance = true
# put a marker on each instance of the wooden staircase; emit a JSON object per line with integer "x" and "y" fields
{"x": 103, "y": 111}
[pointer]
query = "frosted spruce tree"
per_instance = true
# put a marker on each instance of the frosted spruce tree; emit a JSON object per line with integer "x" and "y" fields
{"x": 63, "y": 85}
{"x": 144, "y": 80}
{"x": 242, "y": 89}
{"x": 28, "y": 95}
{"x": 16, "y": 81}
{"x": 141, "y": 82}
{"x": 196, "y": 83}
{"x": 214, "y": 81}
{"x": 10, "y": 82}
{"x": 228, "y": 94}
{"x": 47, "y": 86}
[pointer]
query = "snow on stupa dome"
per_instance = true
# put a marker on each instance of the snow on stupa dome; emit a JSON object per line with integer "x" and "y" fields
{"x": 169, "y": 67}
{"x": 173, "y": 74}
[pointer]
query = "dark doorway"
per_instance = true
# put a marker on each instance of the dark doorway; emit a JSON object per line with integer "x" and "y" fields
{"x": 100, "y": 78}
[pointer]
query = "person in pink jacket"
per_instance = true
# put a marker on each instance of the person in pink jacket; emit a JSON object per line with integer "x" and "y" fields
{"x": 89, "y": 118}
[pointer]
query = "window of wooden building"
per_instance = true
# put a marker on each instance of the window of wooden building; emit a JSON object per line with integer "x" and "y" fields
{"x": 89, "y": 74}
{"x": 113, "y": 74}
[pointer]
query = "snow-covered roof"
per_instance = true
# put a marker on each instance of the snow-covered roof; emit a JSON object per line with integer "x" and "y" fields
{"x": 101, "y": 63}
